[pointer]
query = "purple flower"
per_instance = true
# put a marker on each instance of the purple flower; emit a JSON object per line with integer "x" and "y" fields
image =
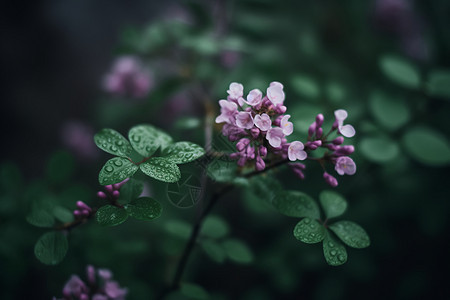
{"x": 244, "y": 120}
{"x": 228, "y": 110}
{"x": 275, "y": 136}
{"x": 295, "y": 151}
{"x": 275, "y": 93}
{"x": 287, "y": 126}
{"x": 263, "y": 122}
{"x": 74, "y": 287}
{"x": 260, "y": 164}
{"x": 254, "y": 98}
{"x": 345, "y": 130}
{"x": 99, "y": 297}
{"x": 114, "y": 291}
{"x": 128, "y": 77}
{"x": 236, "y": 90}
{"x": 104, "y": 274}
{"x": 345, "y": 165}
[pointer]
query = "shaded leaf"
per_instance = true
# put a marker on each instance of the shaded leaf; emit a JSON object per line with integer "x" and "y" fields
{"x": 379, "y": 149}
{"x": 112, "y": 142}
{"x": 309, "y": 231}
{"x": 215, "y": 227}
{"x": 51, "y": 248}
{"x": 334, "y": 252}
{"x": 351, "y": 234}
{"x": 389, "y": 111}
{"x": 178, "y": 228}
{"x": 427, "y": 146}
{"x": 40, "y": 218}
{"x": 333, "y": 203}
{"x": 63, "y": 214}
{"x": 214, "y": 250}
{"x": 116, "y": 170}
{"x": 109, "y": 215}
{"x": 439, "y": 83}
{"x": 144, "y": 208}
{"x": 238, "y": 251}
{"x": 161, "y": 169}
{"x": 400, "y": 71}
{"x": 183, "y": 152}
{"x": 194, "y": 291}
{"x": 131, "y": 190}
{"x": 296, "y": 204}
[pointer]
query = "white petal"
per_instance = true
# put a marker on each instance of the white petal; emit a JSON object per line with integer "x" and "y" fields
{"x": 347, "y": 130}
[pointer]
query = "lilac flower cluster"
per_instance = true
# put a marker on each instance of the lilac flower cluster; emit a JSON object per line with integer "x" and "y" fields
{"x": 99, "y": 286}
{"x": 260, "y": 126}
{"x": 128, "y": 78}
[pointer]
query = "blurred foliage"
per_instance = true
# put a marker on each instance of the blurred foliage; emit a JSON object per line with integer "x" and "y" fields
{"x": 329, "y": 55}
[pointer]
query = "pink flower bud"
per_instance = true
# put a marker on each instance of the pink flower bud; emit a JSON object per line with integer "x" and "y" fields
{"x": 319, "y": 132}
{"x": 330, "y": 179}
{"x": 242, "y": 160}
{"x": 83, "y": 206}
{"x": 77, "y": 213}
{"x": 254, "y": 132}
{"x": 85, "y": 212}
{"x": 250, "y": 151}
{"x": 235, "y": 155}
{"x": 319, "y": 120}
{"x": 90, "y": 273}
{"x": 332, "y": 147}
{"x": 260, "y": 164}
{"x": 109, "y": 188}
{"x": 339, "y": 140}
{"x": 262, "y": 151}
{"x": 101, "y": 195}
{"x": 116, "y": 194}
{"x": 312, "y": 129}
{"x": 344, "y": 150}
{"x": 240, "y": 146}
{"x": 277, "y": 121}
{"x": 298, "y": 173}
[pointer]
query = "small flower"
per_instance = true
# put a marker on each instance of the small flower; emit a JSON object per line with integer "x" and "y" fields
{"x": 114, "y": 291}
{"x": 74, "y": 287}
{"x": 263, "y": 122}
{"x": 260, "y": 164}
{"x": 236, "y": 90}
{"x": 345, "y": 165}
{"x": 275, "y": 93}
{"x": 275, "y": 136}
{"x": 244, "y": 120}
{"x": 228, "y": 110}
{"x": 295, "y": 151}
{"x": 287, "y": 126}
{"x": 345, "y": 130}
{"x": 254, "y": 98}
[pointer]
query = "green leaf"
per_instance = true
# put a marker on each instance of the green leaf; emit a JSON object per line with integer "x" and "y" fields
{"x": 186, "y": 192}
{"x": 144, "y": 208}
{"x": 427, "y": 146}
{"x": 146, "y": 139}
{"x": 51, "y": 248}
{"x": 116, "y": 170}
{"x": 265, "y": 187}
{"x": 400, "y": 71}
{"x": 215, "y": 227}
{"x": 334, "y": 252}
{"x": 131, "y": 190}
{"x": 439, "y": 83}
{"x": 238, "y": 251}
{"x": 351, "y": 233}
{"x": 389, "y": 111}
{"x": 194, "y": 291}
{"x": 305, "y": 86}
{"x": 183, "y": 152}
{"x": 214, "y": 250}
{"x": 112, "y": 142}
{"x": 296, "y": 204}
{"x": 224, "y": 171}
{"x": 63, "y": 214}
{"x": 333, "y": 203}
{"x": 178, "y": 228}
{"x": 60, "y": 167}
{"x": 309, "y": 231}
{"x": 110, "y": 215}
{"x": 40, "y": 218}
{"x": 379, "y": 149}
{"x": 161, "y": 169}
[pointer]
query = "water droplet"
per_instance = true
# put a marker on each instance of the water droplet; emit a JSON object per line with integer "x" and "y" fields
{"x": 118, "y": 163}
{"x": 333, "y": 252}
{"x": 307, "y": 220}
{"x": 331, "y": 244}
{"x": 119, "y": 143}
{"x": 113, "y": 148}
{"x": 341, "y": 257}
{"x": 109, "y": 169}
{"x": 136, "y": 138}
